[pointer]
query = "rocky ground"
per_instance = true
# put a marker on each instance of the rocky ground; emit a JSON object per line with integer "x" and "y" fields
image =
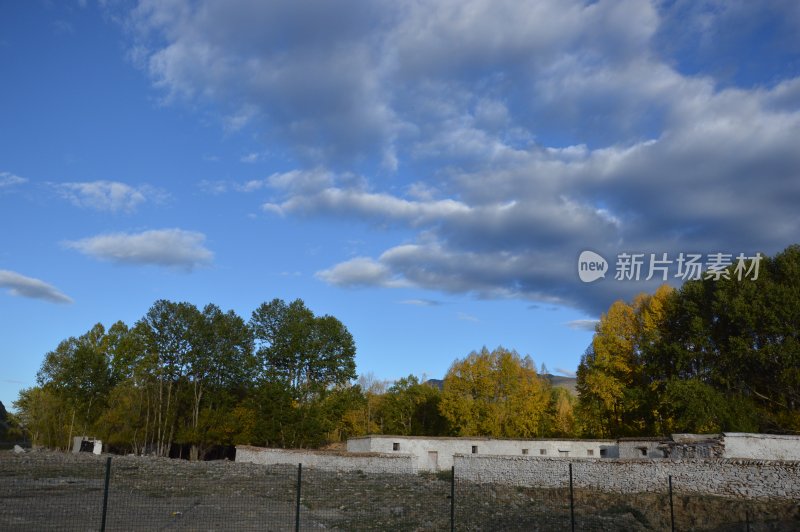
{"x": 57, "y": 491}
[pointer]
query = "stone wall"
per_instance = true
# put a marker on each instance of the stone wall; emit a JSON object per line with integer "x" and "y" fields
{"x": 725, "y": 477}
{"x": 328, "y": 460}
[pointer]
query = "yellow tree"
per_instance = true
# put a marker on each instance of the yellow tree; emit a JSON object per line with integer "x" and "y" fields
{"x": 609, "y": 400}
{"x": 495, "y": 393}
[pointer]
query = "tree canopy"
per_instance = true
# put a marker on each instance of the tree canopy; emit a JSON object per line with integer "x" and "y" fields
{"x": 715, "y": 355}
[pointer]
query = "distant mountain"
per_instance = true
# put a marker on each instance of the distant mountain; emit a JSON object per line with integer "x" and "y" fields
{"x": 436, "y": 383}
{"x": 563, "y": 382}
{"x": 556, "y": 380}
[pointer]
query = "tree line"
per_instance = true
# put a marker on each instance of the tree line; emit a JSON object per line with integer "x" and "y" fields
{"x": 710, "y": 356}
{"x": 189, "y": 378}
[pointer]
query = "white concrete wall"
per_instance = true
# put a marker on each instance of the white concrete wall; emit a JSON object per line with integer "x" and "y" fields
{"x": 331, "y": 461}
{"x": 731, "y": 478}
{"x": 761, "y": 446}
{"x": 633, "y": 449}
{"x": 358, "y": 445}
{"x": 445, "y": 448}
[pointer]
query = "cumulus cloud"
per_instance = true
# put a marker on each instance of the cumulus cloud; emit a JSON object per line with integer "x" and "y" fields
{"x": 111, "y": 196}
{"x": 22, "y": 286}
{"x": 360, "y": 271}
{"x": 173, "y": 248}
{"x": 505, "y": 137}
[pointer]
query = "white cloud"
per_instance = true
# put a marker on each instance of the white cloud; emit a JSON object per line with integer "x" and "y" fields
{"x": 421, "y": 302}
{"x": 213, "y": 187}
{"x": 111, "y": 196}
{"x": 22, "y": 286}
{"x": 8, "y": 180}
{"x": 360, "y": 271}
{"x": 173, "y": 248}
{"x": 467, "y": 317}
{"x": 504, "y": 136}
{"x": 582, "y": 325}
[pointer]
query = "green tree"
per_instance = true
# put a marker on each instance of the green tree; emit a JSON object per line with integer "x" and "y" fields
{"x": 78, "y": 372}
{"x": 411, "y": 408}
{"x": 169, "y": 336}
{"x": 308, "y": 354}
{"x": 220, "y": 367}
{"x": 739, "y": 337}
{"x": 46, "y": 416}
{"x": 305, "y": 366}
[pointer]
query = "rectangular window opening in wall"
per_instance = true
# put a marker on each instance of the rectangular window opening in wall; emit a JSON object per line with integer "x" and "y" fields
{"x": 603, "y": 453}
{"x": 563, "y": 453}
{"x": 542, "y": 452}
{"x": 396, "y": 446}
{"x": 474, "y": 449}
{"x": 643, "y": 450}
{"x": 524, "y": 451}
{"x": 590, "y": 452}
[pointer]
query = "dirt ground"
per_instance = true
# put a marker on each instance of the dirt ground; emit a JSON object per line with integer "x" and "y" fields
{"x": 57, "y": 491}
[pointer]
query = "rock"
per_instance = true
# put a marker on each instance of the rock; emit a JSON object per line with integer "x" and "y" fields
{"x": 18, "y": 449}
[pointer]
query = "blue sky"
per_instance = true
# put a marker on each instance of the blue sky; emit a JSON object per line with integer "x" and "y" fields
{"x": 427, "y": 172}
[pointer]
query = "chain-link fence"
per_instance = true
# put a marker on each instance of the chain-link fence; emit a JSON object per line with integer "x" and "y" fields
{"x": 56, "y": 491}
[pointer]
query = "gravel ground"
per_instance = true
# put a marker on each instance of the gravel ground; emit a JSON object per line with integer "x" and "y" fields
{"x": 57, "y": 491}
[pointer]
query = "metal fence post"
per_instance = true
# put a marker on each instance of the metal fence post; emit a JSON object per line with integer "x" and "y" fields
{"x": 453, "y": 499}
{"x": 297, "y": 507}
{"x": 671, "y": 507}
{"x": 105, "y": 494}
{"x": 571, "y": 500}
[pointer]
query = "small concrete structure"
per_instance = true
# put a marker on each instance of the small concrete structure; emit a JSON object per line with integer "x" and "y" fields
{"x": 641, "y": 448}
{"x": 761, "y": 446}
{"x": 86, "y": 444}
{"x": 436, "y": 453}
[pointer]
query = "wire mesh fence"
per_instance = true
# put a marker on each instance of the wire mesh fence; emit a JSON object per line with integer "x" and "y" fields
{"x": 56, "y": 491}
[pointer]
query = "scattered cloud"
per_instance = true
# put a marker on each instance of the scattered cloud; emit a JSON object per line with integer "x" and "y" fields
{"x": 173, "y": 248}
{"x": 63, "y": 27}
{"x": 360, "y": 271}
{"x": 582, "y": 325}
{"x": 213, "y": 187}
{"x": 109, "y": 196}
{"x": 466, "y": 317}
{"x": 8, "y": 180}
{"x": 421, "y": 302}
{"x": 22, "y": 286}
{"x": 252, "y": 157}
